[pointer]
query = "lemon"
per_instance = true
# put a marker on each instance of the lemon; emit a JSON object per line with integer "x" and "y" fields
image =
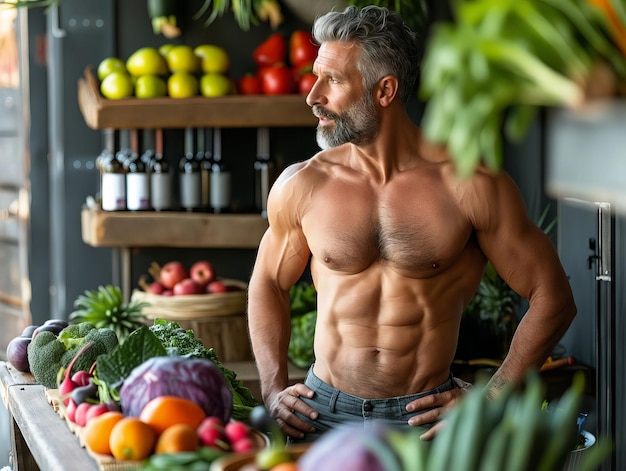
{"x": 214, "y": 85}
{"x": 146, "y": 61}
{"x": 109, "y": 65}
{"x": 182, "y": 59}
{"x": 165, "y": 48}
{"x": 150, "y": 86}
{"x": 117, "y": 85}
{"x": 182, "y": 85}
{"x": 213, "y": 58}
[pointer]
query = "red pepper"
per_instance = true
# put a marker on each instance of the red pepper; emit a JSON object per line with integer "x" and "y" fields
{"x": 302, "y": 50}
{"x": 270, "y": 52}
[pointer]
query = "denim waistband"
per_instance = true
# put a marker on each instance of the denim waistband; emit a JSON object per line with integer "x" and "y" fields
{"x": 338, "y": 401}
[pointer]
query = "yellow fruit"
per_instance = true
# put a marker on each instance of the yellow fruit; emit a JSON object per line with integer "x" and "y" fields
{"x": 150, "y": 86}
{"x": 117, "y": 85}
{"x": 182, "y": 85}
{"x": 214, "y": 59}
{"x": 182, "y": 59}
{"x": 165, "y": 48}
{"x": 109, "y": 65}
{"x": 214, "y": 85}
{"x": 146, "y": 61}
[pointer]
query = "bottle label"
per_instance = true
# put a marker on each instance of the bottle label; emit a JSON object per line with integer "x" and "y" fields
{"x": 113, "y": 192}
{"x": 220, "y": 190}
{"x": 190, "y": 190}
{"x": 161, "y": 191}
{"x": 137, "y": 191}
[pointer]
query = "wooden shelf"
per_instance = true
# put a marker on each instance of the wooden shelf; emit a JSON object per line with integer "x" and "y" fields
{"x": 171, "y": 229}
{"x": 229, "y": 111}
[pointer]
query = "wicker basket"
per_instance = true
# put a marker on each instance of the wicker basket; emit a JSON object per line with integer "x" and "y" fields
{"x": 218, "y": 319}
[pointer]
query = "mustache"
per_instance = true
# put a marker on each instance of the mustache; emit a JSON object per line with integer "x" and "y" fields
{"x": 321, "y": 112}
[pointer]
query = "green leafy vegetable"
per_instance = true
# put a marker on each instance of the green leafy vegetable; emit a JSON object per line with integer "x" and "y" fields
{"x": 303, "y": 299}
{"x": 498, "y": 61}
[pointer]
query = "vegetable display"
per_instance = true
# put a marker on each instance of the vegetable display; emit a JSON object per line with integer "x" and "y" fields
{"x": 49, "y": 354}
{"x": 499, "y": 61}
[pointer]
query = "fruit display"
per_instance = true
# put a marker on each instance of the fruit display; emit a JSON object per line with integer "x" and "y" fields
{"x": 176, "y": 279}
{"x": 177, "y": 71}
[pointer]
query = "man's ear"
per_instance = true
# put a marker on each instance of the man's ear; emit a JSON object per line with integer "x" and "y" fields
{"x": 387, "y": 90}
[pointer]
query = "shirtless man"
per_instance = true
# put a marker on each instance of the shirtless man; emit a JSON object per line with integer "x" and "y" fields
{"x": 397, "y": 245}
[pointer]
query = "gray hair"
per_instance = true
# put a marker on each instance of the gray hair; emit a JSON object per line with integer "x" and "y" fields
{"x": 388, "y": 46}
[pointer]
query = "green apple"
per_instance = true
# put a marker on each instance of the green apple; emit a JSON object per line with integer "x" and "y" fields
{"x": 146, "y": 61}
{"x": 109, "y": 65}
{"x": 150, "y": 86}
{"x": 182, "y": 85}
{"x": 117, "y": 85}
{"x": 212, "y": 58}
{"x": 214, "y": 85}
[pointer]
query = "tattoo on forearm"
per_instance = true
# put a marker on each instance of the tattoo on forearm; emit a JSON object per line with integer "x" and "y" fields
{"x": 495, "y": 386}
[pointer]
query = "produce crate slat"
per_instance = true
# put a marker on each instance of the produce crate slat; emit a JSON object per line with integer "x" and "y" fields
{"x": 171, "y": 229}
{"x": 229, "y": 111}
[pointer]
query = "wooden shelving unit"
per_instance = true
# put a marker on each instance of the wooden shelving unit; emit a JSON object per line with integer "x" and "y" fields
{"x": 236, "y": 111}
{"x": 171, "y": 229}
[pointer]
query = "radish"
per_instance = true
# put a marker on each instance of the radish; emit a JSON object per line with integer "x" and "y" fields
{"x": 81, "y": 377}
{"x": 67, "y": 385}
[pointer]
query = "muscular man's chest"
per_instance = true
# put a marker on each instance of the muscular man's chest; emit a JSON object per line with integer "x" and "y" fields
{"x": 414, "y": 232}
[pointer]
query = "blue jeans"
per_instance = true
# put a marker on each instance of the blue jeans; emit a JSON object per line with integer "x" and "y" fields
{"x": 335, "y": 407}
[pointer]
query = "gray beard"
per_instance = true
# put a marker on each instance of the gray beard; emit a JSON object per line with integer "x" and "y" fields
{"x": 358, "y": 125}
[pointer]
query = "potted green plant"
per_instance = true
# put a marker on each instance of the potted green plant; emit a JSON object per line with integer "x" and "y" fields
{"x": 496, "y": 63}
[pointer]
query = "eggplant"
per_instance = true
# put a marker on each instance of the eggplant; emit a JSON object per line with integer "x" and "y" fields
{"x": 83, "y": 393}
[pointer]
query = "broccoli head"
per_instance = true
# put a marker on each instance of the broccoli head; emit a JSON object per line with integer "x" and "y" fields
{"x": 50, "y": 354}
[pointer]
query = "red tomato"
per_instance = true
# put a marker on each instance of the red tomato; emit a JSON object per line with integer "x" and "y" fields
{"x": 271, "y": 51}
{"x": 249, "y": 85}
{"x": 278, "y": 80}
{"x": 302, "y": 49}
{"x": 306, "y": 82}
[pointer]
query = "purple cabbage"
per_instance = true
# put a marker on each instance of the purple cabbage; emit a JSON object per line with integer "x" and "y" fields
{"x": 197, "y": 379}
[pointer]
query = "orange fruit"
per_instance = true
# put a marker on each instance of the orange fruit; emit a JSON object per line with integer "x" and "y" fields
{"x": 177, "y": 438}
{"x": 165, "y": 411}
{"x": 288, "y": 466}
{"x": 132, "y": 439}
{"x": 98, "y": 430}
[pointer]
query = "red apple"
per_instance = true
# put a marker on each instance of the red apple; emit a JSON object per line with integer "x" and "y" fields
{"x": 216, "y": 287}
{"x": 202, "y": 272}
{"x": 172, "y": 273}
{"x": 167, "y": 292}
{"x": 187, "y": 286}
{"x": 156, "y": 288}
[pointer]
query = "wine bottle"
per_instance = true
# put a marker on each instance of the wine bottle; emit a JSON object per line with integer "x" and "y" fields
{"x": 220, "y": 177}
{"x": 137, "y": 180}
{"x": 264, "y": 171}
{"x": 161, "y": 185}
{"x": 189, "y": 176}
{"x": 148, "y": 138}
{"x": 206, "y": 160}
{"x": 113, "y": 177}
